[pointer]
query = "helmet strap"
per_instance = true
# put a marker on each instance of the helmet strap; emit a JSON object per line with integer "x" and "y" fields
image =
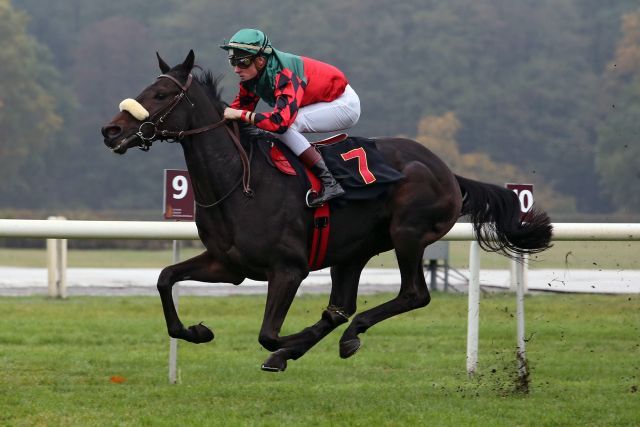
{"x": 265, "y": 43}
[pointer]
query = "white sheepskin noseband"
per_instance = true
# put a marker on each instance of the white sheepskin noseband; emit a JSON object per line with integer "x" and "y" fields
{"x": 134, "y": 108}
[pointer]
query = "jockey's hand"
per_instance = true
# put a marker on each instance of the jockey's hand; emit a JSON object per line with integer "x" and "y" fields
{"x": 232, "y": 113}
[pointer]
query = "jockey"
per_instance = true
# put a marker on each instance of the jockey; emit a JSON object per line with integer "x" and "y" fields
{"x": 306, "y": 95}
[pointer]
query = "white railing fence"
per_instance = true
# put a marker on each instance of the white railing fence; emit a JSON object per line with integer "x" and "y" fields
{"x": 156, "y": 230}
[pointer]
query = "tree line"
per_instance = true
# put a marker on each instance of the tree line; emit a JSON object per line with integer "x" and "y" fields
{"x": 548, "y": 87}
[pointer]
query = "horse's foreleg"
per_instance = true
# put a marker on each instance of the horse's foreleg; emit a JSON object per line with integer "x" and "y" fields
{"x": 202, "y": 268}
{"x": 342, "y": 304}
{"x": 282, "y": 287}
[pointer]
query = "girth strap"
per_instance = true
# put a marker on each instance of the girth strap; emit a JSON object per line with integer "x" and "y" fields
{"x": 321, "y": 227}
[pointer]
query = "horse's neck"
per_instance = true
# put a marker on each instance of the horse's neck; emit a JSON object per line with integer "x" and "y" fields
{"x": 213, "y": 165}
{"x": 211, "y": 157}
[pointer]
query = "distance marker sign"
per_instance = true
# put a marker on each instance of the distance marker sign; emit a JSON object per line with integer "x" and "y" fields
{"x": 179, "y": 203}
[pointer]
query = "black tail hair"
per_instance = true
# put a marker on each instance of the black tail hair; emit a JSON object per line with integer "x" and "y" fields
{"x": 494, "y": 213}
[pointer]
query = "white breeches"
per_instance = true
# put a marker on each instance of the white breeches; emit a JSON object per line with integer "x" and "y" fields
{"x": 339, "y": 114}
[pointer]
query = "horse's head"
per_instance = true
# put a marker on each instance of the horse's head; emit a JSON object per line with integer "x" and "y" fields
{"x": 156, "y": 113}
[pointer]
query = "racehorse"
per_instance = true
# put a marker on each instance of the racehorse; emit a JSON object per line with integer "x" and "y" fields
{"x": 263, "y": 232}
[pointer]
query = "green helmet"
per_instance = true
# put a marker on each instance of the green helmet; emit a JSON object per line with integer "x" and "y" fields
{"x": 248, "y": 42}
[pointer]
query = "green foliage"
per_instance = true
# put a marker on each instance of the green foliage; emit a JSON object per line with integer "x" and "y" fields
{"x": 618, "y": 150}
{"x": 29, "y": 111}
{"x": 106, "y": 56}
{"x": 523, "y": 78}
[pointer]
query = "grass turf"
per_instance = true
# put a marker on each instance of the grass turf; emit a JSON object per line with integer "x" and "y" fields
{"x": 58, "y": 358}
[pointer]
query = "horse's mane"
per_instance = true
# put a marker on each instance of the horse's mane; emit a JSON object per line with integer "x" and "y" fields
{"x": 214, "y": 91}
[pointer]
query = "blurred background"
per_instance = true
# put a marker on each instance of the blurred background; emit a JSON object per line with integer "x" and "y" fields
{"x": 531, "y": 91}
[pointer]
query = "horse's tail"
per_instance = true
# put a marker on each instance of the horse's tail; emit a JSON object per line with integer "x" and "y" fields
{"x": 494, "y": 213}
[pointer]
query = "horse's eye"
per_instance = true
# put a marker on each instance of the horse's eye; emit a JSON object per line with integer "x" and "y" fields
{"x": 160, "y": 95}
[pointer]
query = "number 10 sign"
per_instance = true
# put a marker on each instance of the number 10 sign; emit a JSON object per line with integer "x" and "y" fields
{"x": 525, "y": 196}
{"x": 179, "y": 202}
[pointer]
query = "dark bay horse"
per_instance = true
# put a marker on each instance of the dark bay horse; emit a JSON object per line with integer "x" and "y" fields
{"x": 265, "y": 235}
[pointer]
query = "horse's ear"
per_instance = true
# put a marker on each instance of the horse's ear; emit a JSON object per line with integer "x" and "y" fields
{"x": 188, "y": 62}
{"x": 164, "y": 67}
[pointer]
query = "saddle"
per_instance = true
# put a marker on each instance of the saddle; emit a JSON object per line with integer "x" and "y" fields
{"x": 280, "y": 161}
{"x": 354, "y": 162}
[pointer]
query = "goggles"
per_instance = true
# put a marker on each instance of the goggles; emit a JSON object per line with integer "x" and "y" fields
{"x": 244, "y": 62}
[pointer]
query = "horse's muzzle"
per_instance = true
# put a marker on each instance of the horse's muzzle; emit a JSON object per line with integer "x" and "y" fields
{"x": 113, "y": 138}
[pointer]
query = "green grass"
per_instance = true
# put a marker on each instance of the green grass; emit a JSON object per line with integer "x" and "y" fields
{"x": 590, "y": 255}
{"x": 57, "y": 358}
{"x": 96, "y": 258}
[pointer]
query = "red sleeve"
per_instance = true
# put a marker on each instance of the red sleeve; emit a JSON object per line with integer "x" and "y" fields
{"x": 245, "y": 100}
{"x": 289, "y": 92}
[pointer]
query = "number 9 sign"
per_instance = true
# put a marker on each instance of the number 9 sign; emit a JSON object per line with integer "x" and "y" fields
{"x": 525, "y": 196}
{"x": 178, "y": 195}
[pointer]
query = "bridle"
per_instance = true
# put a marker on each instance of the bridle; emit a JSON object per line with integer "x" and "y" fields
{"x": 149, "y": 132}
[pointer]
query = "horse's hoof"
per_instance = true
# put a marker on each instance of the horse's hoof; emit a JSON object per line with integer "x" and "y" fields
{"x": 199, "y": 334}
{"x": 276, "y": 362}
{"x": 349, "y": 348}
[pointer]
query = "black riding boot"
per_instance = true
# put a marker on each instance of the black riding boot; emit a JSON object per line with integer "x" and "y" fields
{"x": 330, "y": 187}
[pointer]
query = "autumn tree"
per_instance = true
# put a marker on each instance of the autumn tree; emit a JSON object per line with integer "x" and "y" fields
{"x": 438, "y": 133}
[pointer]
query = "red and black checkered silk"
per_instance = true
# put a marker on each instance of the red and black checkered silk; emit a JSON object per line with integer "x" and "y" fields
{"x": 324, "y": 83}
{"x": 289, "y": 92}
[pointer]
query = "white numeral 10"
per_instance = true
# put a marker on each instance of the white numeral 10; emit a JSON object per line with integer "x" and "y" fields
{"x": 526, "y": 200}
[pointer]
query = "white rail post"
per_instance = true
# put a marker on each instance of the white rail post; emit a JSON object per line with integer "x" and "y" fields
{"x": 521, "y": 289}
{"x": 474, "y": 308}
{"x": 519, "y": 272}
{"x": 173, "y": 343}
{"x": 525, "y": 273}
{"x": 52, "y": 266}
{"x": 57, "y": 264}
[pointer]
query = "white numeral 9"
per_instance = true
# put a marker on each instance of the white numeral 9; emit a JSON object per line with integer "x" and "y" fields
{"x": 180, "y": 185}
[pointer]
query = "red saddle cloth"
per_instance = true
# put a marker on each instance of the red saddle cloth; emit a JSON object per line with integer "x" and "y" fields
{"x": 321, "y": 223}
{"x": 281, "y": 162}
{"x": 283, "y": 165}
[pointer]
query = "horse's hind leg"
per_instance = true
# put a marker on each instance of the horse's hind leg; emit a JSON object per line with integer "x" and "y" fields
{"x": 413, "y": 292}
{"x": 342, "y": 304}
{"x": 202, "y": 268}
{"x": 424, "y": 207}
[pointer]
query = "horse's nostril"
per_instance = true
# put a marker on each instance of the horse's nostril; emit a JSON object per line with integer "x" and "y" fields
{"x": 111, "y": 131}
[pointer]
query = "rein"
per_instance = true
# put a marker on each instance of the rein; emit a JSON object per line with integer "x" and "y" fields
{"x": 148, "y": 132}
{"x": 221, "y": 199}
